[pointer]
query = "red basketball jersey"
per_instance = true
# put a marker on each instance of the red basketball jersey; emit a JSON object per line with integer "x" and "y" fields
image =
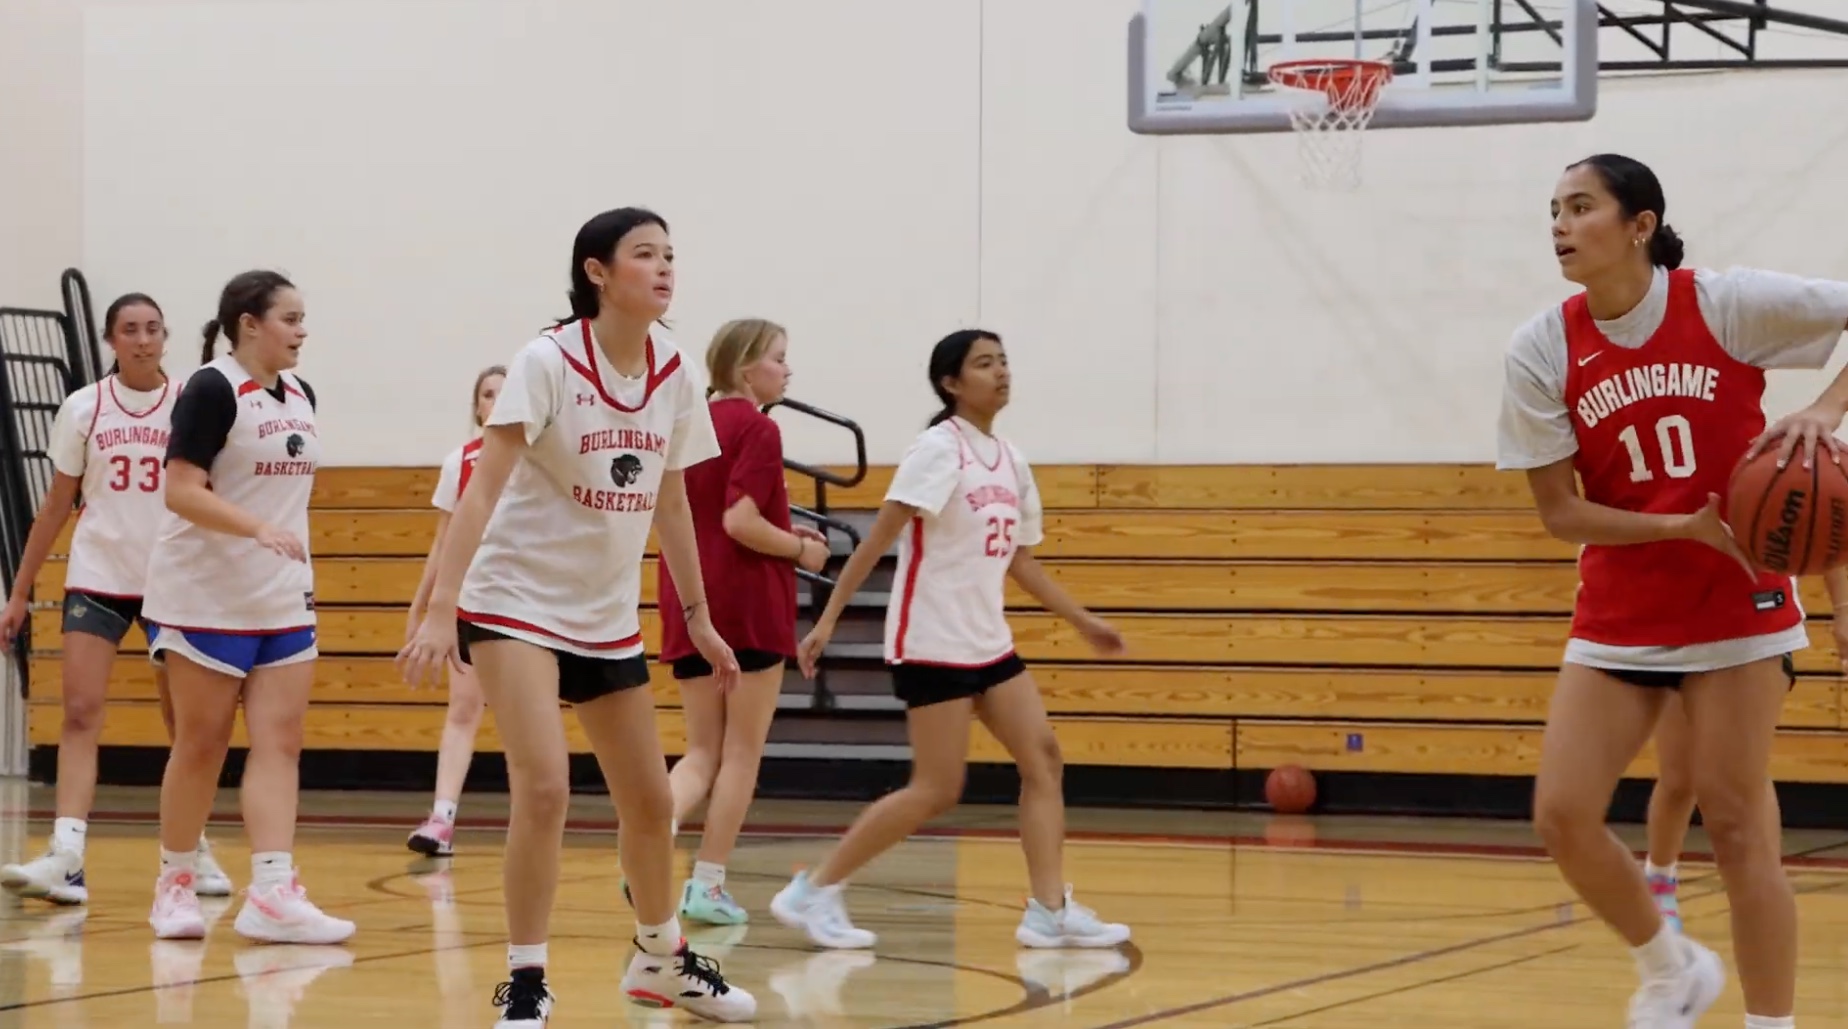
{"x": 1659, "y": 427}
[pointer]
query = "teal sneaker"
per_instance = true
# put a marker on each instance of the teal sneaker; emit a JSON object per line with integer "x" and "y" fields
{"x": 711, "y": 905}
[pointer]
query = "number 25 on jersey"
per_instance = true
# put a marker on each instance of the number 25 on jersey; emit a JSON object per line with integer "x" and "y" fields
{"x": 1000, "y": 542}
{"x": 1674, "y": 439}
{"x": 127, "y": 473}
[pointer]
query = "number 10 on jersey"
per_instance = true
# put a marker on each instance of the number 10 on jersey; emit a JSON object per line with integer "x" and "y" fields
{"x": 1675, "y": 440}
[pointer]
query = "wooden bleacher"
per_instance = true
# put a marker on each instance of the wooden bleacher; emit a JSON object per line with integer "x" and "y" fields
{"x": 1373, "y": 618}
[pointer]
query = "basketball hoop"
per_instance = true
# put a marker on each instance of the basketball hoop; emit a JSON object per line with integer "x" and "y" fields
{"x": 1329, "y": 126}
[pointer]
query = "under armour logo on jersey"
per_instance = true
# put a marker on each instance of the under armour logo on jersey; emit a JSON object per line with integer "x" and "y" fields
{"x": 586, "y": 399}
{"x": 295, "y": 443}
{"x": 625, "y": 469}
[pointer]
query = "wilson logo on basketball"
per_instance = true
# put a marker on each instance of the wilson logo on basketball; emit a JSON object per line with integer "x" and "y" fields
{"x": 1777, "y": 542}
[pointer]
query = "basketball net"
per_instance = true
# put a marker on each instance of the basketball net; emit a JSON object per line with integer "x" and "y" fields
{"x": 1338, "y": 104}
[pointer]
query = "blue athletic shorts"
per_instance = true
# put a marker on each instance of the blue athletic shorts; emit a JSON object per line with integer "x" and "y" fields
{"x": 236, "y": 653}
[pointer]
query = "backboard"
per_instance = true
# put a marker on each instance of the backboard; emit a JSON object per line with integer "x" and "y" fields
{"x": 1198, "y": 67}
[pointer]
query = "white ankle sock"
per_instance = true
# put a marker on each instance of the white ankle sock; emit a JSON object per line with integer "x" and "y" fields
{"x": 271, "y": 868}
{"x": 663, "y": 939}
{"x": 1672, "y": 871}
{"x": 525, "y": 955}
{"x": 445, "y": 811}
{"x": 68, "y": 834}
{"x": 1661, "y": 957}
{"x": 183, "y": 860}
{"x": 1767, "y": 1022}
{"x": 708, "y": 874}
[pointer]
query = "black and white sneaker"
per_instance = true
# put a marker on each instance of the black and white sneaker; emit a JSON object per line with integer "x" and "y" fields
{"x": 687, "y": 980}
{"x": 525, "y": 1000}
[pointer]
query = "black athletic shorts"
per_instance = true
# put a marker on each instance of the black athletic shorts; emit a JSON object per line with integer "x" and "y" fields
{"x": 923, "y": 685}
{"x": 693, "y": 666}
{"x": 580, "y": 679}
{"x": 98, "y": 615}
{"x": 1673, "y": 680}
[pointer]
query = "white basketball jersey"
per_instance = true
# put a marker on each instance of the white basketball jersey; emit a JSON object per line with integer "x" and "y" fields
{"x": 453, "y": 477}
{"x": 560, "y": 562}
{"x": 124, "y": 489}
{"x": 201, "y": 579}
{"x": 976, "y": 504}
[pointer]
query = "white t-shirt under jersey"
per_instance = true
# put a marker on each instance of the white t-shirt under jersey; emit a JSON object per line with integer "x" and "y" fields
{"x": 977, "y": 504}
{"x": 263, "y": 449}
{"x": 560, "y": 563}
{"x": 1761, "y": 318}
{"x": 114, "y": 439}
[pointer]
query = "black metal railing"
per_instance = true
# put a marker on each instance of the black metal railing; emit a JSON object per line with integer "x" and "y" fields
{"x": 822, "y": 587}
{"x": 81, "y": 313}
{"x": 41, "y": 362}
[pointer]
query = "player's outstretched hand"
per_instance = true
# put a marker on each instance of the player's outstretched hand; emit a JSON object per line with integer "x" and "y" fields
{"x": 1102, "y": 636}
{"x": 12, "y": 620}
{"x": 716, "y": 651}
{"x": 1708, "y": 527}
{"x": 1809, "y": 428}
{"x": 284, "y": 543}
{"x": 808, "y": 652}
{"x": 431, "y": 647}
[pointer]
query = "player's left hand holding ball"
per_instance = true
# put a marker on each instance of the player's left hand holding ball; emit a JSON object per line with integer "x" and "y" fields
{"x": 429, "y": 648}
{"x": 1815, "y": 424}
{"x": 1102, "y": 636}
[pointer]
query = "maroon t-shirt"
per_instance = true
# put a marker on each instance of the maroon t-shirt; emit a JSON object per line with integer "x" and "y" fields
{"x": 751, "y": 596}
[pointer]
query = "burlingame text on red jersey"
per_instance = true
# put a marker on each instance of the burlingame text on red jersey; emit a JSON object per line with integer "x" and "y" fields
{"x": 1642, "y": 383}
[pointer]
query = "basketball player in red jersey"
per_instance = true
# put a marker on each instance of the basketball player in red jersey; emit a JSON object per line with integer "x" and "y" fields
{"x": 436, "y": 836}
{"x": 539, "y": 585}
{"x": 748, "y": 552}
{"x": 107, "y": 444}
{"x": 1648, "y": 385}
{"x": 967, "y": 508}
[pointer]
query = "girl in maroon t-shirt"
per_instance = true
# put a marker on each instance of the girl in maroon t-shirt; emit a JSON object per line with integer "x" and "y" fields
{"x": 748, "y": 553}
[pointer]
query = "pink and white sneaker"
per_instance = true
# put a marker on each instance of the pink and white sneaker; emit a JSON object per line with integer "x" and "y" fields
{"x": 434, "y": 838}
{"x": 176, "y": 914}
{"x": 282, "y": 913}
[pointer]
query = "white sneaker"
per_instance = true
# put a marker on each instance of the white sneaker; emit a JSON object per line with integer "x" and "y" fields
{"x": 1678, "y": 1001}
{"x": 819, "y": 912}
{"x": 282, "y": 913}
{"x": 687, "y": 980}
{"x": 176, "y": 914}
{"x": 209, "y": 880}
{"x": 1073, "y": 925}
{"x": 56, "y": 876}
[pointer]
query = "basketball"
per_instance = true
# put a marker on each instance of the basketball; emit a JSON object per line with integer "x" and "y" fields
{"x": 1793, "y": 520}
{"x": 1290, "y": 789}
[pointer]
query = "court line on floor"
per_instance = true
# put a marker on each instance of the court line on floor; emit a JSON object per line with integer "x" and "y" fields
{"x": 1807, "y": 859}
{"x": 1414, "y": 987}
{"x": 1406, "y": 960}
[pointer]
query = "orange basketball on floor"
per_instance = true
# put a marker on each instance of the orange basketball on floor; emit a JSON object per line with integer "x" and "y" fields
{"x": 1290, "y": 789}
{"x": 1793, "y": 520}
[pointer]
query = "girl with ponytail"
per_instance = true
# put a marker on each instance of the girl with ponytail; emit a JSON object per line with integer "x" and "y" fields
{"x": 966, "y": 497}
{"x": 1628, "y": 406}
{"x": 107, "y": 447}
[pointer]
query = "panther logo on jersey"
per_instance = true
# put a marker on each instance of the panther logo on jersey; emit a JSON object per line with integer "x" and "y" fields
{"x": 625, "y": 469}
{"x": 295, "y": 443}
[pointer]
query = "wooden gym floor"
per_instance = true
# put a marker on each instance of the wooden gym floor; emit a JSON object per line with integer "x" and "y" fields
{"x": 1240, "y": 920}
